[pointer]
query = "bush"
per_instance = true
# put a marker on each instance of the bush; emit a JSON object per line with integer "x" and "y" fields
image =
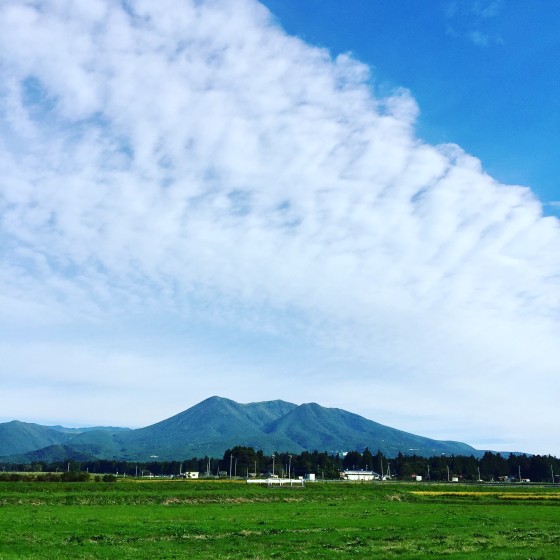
{"x": 73, "y": 476}
{"x": 13, "y": 477}
{"x": 109, "y": 478}
{"x": 47, "y": 477}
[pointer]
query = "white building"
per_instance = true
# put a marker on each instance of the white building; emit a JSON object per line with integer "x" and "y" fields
{"x": 359, "y": 475}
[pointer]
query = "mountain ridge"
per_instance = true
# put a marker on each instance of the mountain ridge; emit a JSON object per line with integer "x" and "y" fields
{"x": 216, "y": 424}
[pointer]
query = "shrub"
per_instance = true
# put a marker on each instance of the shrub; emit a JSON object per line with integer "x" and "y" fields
{"x": 12, "y": 477}
{"x": 73, "y": 476}
{"x": 47, "y": 477}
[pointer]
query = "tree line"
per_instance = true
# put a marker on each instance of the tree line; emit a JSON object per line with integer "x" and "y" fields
{"x": 243, "y": 462}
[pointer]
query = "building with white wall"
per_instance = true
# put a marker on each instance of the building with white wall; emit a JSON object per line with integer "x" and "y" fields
{"x": 359, "y": 475}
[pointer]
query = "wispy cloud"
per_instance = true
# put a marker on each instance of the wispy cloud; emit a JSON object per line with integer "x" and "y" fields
{"x": 487, "y": 9}
{"x": 474, "y": 21}
{"x": 480, "y": 39}
{"x": 193, "y": 162}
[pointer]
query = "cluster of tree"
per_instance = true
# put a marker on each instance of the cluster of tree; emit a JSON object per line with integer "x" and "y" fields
{"x": 245, "y": 461}
{"x": 68, "y": 476}
{"x": 490, "y": 467}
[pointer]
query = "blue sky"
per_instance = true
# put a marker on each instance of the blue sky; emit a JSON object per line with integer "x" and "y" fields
{"x": 354, "y": 207}
{"x": 484, "y": 73}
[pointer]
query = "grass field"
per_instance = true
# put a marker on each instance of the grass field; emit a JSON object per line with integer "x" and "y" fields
{"x": 218, "y": 520}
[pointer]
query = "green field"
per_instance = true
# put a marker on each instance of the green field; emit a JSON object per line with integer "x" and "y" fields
{"x": 194, "y": 519}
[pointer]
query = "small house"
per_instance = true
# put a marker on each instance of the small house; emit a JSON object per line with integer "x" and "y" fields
{"x": 359, "y": 475}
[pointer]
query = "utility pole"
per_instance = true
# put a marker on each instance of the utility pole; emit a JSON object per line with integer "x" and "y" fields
{"x": 552, "y": 473}
{"x": 290, "y": 468}
{"x": 230, "y": 463}
{"x": 235, "y": 468}
{"x": 273, "y": 471}
{"x": 447, "y": 473}
{"x": 519, "y": 473}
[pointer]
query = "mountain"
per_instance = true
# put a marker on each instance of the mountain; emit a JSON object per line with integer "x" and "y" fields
{"x": 221, "y": 418}
{"x": 206, "y": 429}
{"x": 314, "y": 427}
{"x": 21, "y": 437}
{"x": 18, "y": 438}
{"x": 53, "y": 454}
{"x": 216, "y": 424}
{"x": 89, "y": 429}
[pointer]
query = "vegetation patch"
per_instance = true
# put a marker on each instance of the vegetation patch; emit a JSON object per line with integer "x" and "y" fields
{"x": 200, "y": 520}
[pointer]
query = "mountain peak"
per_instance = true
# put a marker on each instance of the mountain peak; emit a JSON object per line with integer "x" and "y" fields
{"x": 217, "y": 423}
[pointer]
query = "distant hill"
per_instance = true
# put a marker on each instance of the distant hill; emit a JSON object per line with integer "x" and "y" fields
{"x": 89, "y": 429}
{"x": 314, "y": 427}
{"x": 21, "y": 437}
{"x": 52, "y": 454}
{"x": 216, "y": 424}
{"x": 206, "y": 429}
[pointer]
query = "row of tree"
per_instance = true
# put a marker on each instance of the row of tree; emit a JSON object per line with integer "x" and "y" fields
{"x": 67, "y": 476}
{"x": 245, "y": 461}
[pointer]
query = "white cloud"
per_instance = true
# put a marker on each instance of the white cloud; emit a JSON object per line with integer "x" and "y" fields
{"x": 479, "y": 38}
{"x": 487, "y": 9}
{"x": 193, "y": 162}
{"x": 474, "y": 21}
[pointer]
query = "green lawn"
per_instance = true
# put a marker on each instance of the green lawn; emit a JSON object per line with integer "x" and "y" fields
{"x": 190, "y": 519}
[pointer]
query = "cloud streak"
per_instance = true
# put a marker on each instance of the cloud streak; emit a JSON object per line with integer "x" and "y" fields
{"x": 193, "y": 161}
{"x": 474, "y": 21}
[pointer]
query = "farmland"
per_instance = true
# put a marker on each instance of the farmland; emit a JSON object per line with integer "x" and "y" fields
{"x": 232, "y": 520}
